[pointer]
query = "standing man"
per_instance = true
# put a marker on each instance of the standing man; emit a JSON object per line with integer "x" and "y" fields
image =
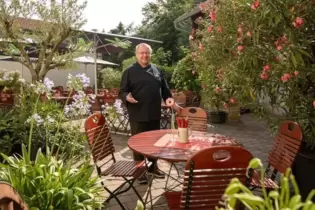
{"x": 142, "y": 89}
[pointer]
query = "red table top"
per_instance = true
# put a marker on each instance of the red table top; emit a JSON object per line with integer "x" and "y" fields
{"x": 146, "y": 144}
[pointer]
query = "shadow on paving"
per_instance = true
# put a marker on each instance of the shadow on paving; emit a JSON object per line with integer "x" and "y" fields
{"x": 250, "y": 132}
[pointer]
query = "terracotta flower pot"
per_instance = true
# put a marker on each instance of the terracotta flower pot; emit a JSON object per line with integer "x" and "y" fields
{"x": 219, "y": 117}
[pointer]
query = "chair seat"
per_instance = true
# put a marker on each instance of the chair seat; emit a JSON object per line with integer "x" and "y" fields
{"x": 268, "y": 182}
{"x": 126, "y": 168}
{"x": 173, "y": 200}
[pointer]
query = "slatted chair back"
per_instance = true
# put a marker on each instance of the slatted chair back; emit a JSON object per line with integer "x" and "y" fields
{"x": 209, "y": 172}
{"x": 60, "y": 88}
{"x": 196, "y": 99}
{"x": 197, "y": 118}
{"x": 99, "y": 139}
{"x": 6, "y": 101}
{"x": 114, "y": 91}
{"x": 10, "y": 199}
{"x": 57, "y": 93}
{"x": 180, "y": 98}
{"x": 101, "y": 91}
{"x": 108, "y": 99}
{"x": 285, "y": 147}
{"x": 89, "y": 90}
{"x": 189, "y": 96}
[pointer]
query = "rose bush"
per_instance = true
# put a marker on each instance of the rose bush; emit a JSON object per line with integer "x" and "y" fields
{"x": 260, "y": 54}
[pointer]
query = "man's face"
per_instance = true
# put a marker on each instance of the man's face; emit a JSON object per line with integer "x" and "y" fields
{"x": 143, "y": 55}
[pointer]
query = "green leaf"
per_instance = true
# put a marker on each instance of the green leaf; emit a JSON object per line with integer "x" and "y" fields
{"x": 295, "y": 201}
{"x": 249, "y": 198}
{"x": 255, "y": 163}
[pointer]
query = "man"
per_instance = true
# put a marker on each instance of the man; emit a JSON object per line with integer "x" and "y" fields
{"x": 142, "y": 89}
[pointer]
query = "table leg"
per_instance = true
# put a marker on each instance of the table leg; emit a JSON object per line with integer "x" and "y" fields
{"x": 174, "y": 178}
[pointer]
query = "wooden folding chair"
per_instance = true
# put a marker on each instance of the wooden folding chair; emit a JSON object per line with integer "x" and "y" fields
{"x": 197, "y": 118}
{"x": 207, "y": 174}
{"x": 197, "y": 121}
{"x": 281, "y": 156}
{"x": 102, "y": 149}
{"x": 6, "y": 101}
{"x": 10, "y": 199}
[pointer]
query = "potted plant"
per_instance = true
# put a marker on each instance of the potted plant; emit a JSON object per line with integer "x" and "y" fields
{"x": 265, "y": 52}
{"x": 214, "y": 103}
{"x": 285, "y": 197}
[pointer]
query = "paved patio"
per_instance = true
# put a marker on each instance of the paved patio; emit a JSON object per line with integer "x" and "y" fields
{"x": 250, "y": 132}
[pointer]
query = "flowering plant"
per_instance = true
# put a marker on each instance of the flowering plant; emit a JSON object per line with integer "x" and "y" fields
{"x": 81, "y": 102}
{"x": 52, "y": 170}
{"x": 114, "y": 111}
{"x": 261, "y": 54}
{"x": 10, "y": 80}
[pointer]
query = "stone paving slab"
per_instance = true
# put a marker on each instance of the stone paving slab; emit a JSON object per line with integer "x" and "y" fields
{"x": 250, "y": 132}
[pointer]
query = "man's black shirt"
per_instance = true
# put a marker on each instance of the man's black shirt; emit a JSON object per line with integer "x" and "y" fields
{"x": 147, "y": 88}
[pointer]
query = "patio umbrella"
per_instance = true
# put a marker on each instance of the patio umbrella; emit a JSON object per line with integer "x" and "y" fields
{"x": 90, "y": 60}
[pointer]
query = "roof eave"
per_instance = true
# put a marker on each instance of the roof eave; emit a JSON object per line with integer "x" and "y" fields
{"x": 122, "y": 36}
{"x": 187, "y": 15}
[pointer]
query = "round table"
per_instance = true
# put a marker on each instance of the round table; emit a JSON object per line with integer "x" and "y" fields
{"x": 144, "y": 144}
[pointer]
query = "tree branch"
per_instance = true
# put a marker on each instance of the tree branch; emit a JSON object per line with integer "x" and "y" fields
{"x": 49, "y": 59}
{"x": 56, "y": 65}
{"x": 14, "y": 40}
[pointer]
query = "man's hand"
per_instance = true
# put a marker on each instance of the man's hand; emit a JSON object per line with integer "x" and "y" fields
{"x": 177, "y": 108}
{"x": 130, "y": 99}
{"x": 171, "y": 103}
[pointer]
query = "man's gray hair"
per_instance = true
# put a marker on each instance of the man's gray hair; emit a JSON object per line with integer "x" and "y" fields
{"x": 144, "y": 45}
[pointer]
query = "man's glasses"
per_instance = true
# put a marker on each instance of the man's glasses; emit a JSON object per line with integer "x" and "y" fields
{"x": 144, "y": 53}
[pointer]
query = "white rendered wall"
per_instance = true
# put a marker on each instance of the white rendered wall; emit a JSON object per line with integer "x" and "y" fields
{"x": 58, "y": 76}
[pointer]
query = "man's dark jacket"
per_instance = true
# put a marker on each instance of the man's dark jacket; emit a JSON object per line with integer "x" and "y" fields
{"x": 148, "y": 86}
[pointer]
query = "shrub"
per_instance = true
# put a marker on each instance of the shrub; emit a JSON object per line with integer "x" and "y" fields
{"x": 49, "y": 183}
{"x": 49, "y": 128}
{"x": 52, "y": 171}
{"x": 111, "y": 78}
{"x": 185, "y": 76}
{"x": 261, "y": 54}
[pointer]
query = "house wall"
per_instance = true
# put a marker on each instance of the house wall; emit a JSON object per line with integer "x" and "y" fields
{"x": 59, "y": 77}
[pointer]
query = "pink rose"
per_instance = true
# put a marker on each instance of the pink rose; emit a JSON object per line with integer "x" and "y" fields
{"x": 232, "y": 100}
{"x": 286, "y": 77}
{"x": 264, "y": 76}
{"x": 210, "y": 29}
{"x": 266, "y": 67}
{"x": 240, "y": 48}
{"x": 279, "y": 47}
{"x": 255, "y": 5}
{"x": 212, "y": 16}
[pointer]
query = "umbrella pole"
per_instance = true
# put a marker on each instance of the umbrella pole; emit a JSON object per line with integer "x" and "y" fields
{"x": 22, "y": 72}
{"x": 95, "y": 64}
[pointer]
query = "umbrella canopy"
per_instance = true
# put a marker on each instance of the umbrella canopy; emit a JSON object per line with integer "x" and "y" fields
{"x": 91, "y": 60}
{"x": 9, "y": 58}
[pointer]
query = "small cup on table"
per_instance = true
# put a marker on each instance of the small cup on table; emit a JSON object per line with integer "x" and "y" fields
{"x": 183, "y": 130}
